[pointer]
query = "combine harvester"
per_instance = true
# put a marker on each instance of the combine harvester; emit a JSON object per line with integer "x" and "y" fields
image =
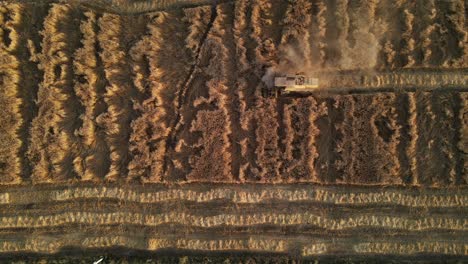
{"x": 351, "y": 82}
{"x": 296, "y": 83}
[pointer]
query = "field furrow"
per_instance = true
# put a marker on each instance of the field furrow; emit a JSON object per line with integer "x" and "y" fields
{"x": 213, "y": 120}
{"x": 363, "y": 36}
{"x": 27, "y": 41}
{"x": 342, "y": 31}
{"x": 11, "y": 139}
{"x": 242, "y": 46}
{"x": 52, "y": 132}
{"x": 264, "y": 133}
{"x": 413, "y": 129}
{"x": 435, "y": 112}
{"x": 371, "y": 132}
{"x": 148, "y": 140}
{"x": 321, "y": 31}
{"x": 295, "y": 34}
{"x": 330, "y": 135}
{"x": 117, "y": 117}
{"x": 192, "y": 86}
{"x": 408, "y": 40}
{"x": 93, "y": 161}
{"x": 300, "y": 144}
{"x": 427, "y": 30}
{"x": 463, "y": 137}
{"x": 453, "y": 32}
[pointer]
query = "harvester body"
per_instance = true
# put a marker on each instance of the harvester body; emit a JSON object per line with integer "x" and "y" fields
{"x": 297, "y": 83}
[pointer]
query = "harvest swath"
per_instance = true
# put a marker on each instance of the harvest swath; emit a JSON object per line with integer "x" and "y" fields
{"x": 317, "y": 220}
{"x": 144, "y": 125}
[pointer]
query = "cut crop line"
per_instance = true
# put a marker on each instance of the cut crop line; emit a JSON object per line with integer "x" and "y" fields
{"x": 442, "y": 247}
{"x": 394, "y": 81}
{"x": 431, "y": 247}
{"x": 311, "y": 194}
{"x": 53, "y": 244}
{"x": 234, "y": 220}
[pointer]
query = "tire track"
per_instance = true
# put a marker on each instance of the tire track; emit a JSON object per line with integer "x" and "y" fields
{"x": 409, "y": 205}
{"x": 183, "y": 94}
{"x": 165, "y": 63}
{"x": 328, "y": 29}
{"x": 222, "y": 77}
{"x": 292, "y": 202}
{"x": 212, "y": 120}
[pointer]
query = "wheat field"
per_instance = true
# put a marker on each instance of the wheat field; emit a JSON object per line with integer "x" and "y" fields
{"x": 146, "y": 126}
